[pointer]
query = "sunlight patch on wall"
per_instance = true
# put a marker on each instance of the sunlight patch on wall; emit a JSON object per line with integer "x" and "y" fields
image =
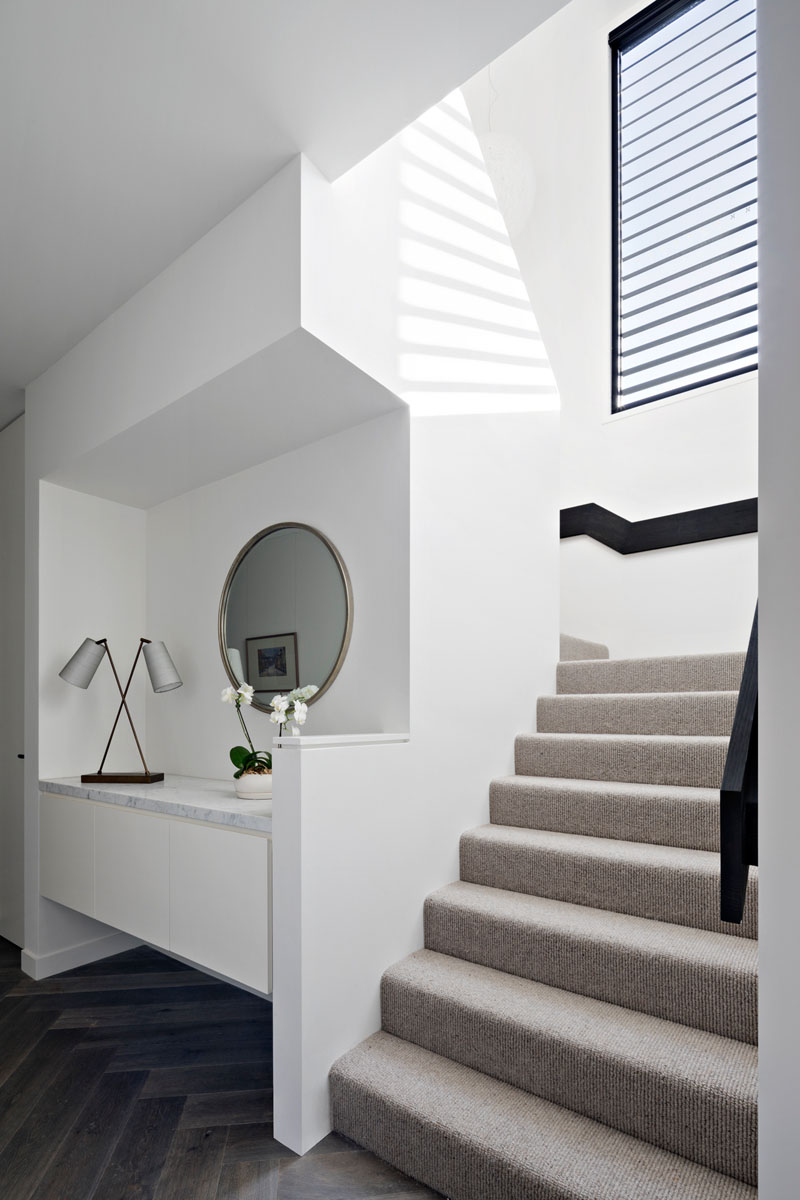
{"x": 469, "y": 342}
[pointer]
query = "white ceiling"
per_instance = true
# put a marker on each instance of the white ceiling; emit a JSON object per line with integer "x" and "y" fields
{"x": 129, "y": 127}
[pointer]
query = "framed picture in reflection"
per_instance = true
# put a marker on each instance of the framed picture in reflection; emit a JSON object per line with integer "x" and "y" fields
{"x": 272, "y": 662}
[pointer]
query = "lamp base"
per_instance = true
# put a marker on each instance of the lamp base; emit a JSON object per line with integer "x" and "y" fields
{"x": 130, "y": 777}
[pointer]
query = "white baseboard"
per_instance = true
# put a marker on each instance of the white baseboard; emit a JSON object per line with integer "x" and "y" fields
{"x": 42, "y": 966}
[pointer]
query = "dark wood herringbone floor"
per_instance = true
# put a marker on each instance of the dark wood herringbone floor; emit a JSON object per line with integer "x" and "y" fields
{"x": 138, "y": 1078}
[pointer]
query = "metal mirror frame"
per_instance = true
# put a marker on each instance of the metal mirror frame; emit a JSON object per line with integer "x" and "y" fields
{"x": 348, "y": 595}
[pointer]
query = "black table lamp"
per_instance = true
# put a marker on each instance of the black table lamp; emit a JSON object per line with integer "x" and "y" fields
{"x": 80, "y": 671}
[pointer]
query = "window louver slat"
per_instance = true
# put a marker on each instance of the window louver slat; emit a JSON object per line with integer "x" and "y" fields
{"x": 686, "y": 301}
{"x": 680, "y": 29}
{"x": 677, "y": 57}
{"x": 670, "y": 258}
{"x": 691, "y": 129}
{"x": 685, "y": 112}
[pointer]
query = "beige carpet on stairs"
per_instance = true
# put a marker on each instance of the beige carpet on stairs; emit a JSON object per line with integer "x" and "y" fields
{"x": 580, "y": 1025}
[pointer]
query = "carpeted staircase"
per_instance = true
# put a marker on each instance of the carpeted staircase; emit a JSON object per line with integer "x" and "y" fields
{"x": 580, "y": 1026}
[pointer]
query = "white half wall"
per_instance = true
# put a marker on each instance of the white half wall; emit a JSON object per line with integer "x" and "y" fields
{"x": 12, "y": 673}
{"x": 354, "y": 487}
{"x": 363, "y": 833}
{"x": 543, "y": 119}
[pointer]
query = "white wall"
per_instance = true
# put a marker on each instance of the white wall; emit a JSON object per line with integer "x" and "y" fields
{"x": 12, "y": 620}
{"x": 435, "y": 307}
{"x": 779, "y": 833}
{"x": 547, "y": 109}
{"x": 683, "y": 600}
{"x": 354, "y": 488}
{"x": 92, "y": 584}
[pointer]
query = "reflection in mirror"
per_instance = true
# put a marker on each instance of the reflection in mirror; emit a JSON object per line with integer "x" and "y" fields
{"x": 286, "y": 613}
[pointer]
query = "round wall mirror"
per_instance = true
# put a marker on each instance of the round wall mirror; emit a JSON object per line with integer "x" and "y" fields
{"x": 286, "y": 613}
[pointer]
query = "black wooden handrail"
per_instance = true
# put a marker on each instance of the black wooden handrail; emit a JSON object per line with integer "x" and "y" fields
{"x": 657, "y": 533}
{"x": 738, "y": 812}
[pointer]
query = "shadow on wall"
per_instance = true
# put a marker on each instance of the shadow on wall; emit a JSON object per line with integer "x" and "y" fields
{"x": 468, "y": 339}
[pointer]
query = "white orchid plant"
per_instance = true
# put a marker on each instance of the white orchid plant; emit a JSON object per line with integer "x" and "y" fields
{"x": 252, "y": 761}
{"x": 292, "y": 709}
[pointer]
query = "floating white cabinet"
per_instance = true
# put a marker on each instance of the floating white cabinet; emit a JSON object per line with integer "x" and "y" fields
{"x": 131, "y": 872}
{"x": 219, "y": 901}
{"x": 201, "y": 891}
{"x": 66, "y": 854}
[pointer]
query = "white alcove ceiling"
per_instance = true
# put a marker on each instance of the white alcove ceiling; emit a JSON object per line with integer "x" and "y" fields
{"x": 295, "y": 391}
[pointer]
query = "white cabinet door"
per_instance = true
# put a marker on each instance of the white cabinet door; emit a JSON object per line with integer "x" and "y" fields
{"x": 220, "y": 901}
{"x": 66, "y": 852}
{"x": 132, "y": 872}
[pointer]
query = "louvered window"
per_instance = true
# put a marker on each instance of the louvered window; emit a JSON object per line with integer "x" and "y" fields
{"x": 685, "y": 223}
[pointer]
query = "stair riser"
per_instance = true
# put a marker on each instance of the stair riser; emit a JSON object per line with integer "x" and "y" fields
{"x": 662, "y": 821}
{"x": 657, "y": 893}
{"x": 717, "y": 999}
{"x": 698, "y": 673}
{"x": 682, "y": 714}
{"x": 676, "y": 1114}
{"x": 688, "y": 762}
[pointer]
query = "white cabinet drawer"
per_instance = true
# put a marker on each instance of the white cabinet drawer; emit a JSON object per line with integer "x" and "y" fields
{"x": 132, "y": 872}
{"x": 66, "y": 852}
{"x": 220, "y": 901}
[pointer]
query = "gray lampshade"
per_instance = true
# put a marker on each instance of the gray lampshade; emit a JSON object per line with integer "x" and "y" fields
{"x": 161, "y": 668}
{"x": 81, "y": 668}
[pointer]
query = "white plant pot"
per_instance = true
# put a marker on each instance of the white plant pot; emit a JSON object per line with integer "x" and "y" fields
{"x": 253, "y": 787}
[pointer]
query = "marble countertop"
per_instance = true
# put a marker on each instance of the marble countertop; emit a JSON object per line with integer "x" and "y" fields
{"x": 212, "y": 800}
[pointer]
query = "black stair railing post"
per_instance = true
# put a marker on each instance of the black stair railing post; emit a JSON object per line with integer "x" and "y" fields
{"x": 738, "y": 811}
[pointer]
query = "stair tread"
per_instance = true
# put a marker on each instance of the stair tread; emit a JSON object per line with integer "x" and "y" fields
{"x": 576, "y": 921}
{"x": 674, "y": 858}
{"x": 628, "y": 1069}
{"x": 655, "y": 813}
{"x": 685, "y": 760}
{"x": 680, "y": 714}
{"x": 472, "y": 1136}
{"x": 588, "y": 697}
{"x": 715, "y": 656}
{"x": 572, "y": 649}
{"x": 666, "y": 883}
{"x": 699, "y": 977}
{"x": 605, "y": 1030}
{"x": 662, "y": 673}
{"x": 646, "y": 739}
{"x": 657, "y": 791}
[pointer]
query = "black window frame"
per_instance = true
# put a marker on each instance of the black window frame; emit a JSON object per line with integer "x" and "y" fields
{"x": 649, "y": 19}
